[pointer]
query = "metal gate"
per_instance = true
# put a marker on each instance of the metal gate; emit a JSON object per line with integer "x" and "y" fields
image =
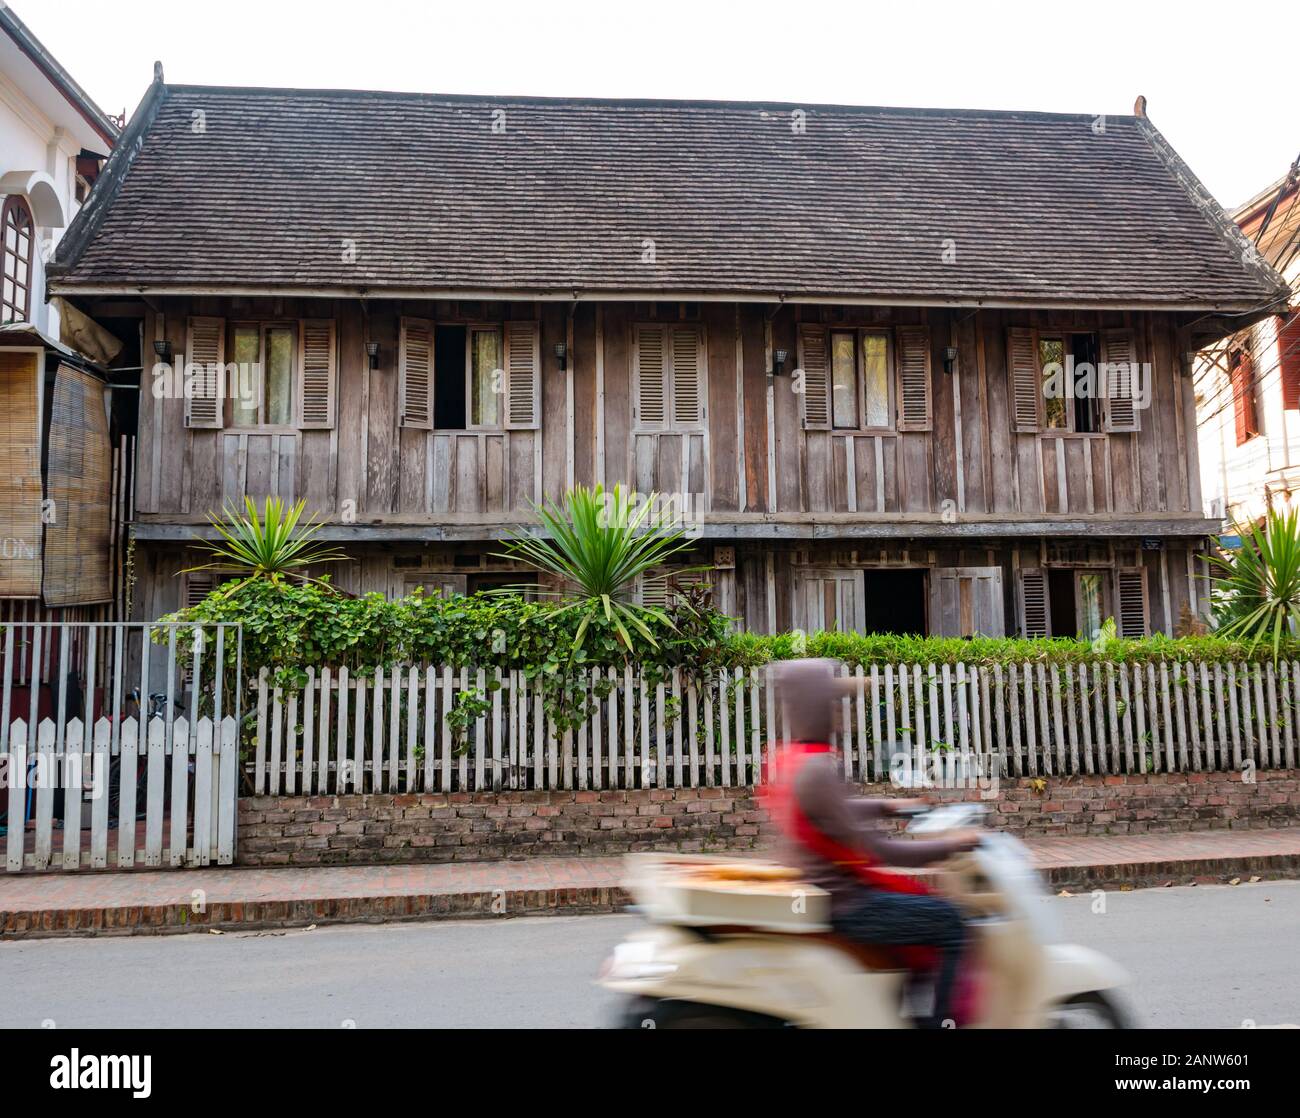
{"x": 119, "y": 744}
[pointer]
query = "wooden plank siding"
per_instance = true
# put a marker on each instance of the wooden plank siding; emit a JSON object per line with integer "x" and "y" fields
{"x": 753, "y": 459}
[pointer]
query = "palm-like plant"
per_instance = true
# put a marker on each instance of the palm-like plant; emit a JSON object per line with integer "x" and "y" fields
{"x": 600, "y": 543}
{"x": 275, "y": 544}
{"x": 1259, "y": 584}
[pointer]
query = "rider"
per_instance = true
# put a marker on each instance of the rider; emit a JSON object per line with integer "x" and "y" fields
{"x": 836, "y": 839}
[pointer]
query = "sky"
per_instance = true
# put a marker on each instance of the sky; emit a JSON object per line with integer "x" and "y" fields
{"x": 1216, "y": 86}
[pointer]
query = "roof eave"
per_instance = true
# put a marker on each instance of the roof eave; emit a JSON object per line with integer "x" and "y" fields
{"x": 640, "y": 295}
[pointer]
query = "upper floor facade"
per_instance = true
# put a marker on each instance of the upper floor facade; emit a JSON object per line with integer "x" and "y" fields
{"x": 425, "y": 314}
{"x": 450, "y": 419}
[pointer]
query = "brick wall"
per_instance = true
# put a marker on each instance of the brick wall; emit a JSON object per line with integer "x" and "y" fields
{"x": 283, "y": 830}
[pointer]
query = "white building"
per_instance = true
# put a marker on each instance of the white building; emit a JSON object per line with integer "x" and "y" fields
{"x": 1248, "y": 386}
{"x": 53, "y": 141}
{"x": 61, "y": 535}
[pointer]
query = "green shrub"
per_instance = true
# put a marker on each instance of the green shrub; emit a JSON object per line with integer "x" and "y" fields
{"x": 751, "y": 649}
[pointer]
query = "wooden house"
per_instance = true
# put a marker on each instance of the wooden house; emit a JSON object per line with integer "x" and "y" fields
{"x": 828, "y": 335}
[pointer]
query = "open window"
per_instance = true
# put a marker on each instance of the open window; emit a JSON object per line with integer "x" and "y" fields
{"x": 259, "y": 374}
{"x": 469, "y": 376}
{"x": 1064, "y": 602}
{"x": 1073, "y": 381}
{"x": 858, "y": 379}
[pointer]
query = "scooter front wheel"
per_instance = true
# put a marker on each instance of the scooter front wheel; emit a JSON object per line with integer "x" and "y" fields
{"x": 1093, "y": 1010}
{"x": 668, "y": 1013}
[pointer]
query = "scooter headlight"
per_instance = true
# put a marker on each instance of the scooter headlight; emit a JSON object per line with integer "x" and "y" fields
{"x": 635, "y": 962}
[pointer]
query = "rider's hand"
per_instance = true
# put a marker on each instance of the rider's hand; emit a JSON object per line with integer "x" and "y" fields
{"x": 966, "y": 839}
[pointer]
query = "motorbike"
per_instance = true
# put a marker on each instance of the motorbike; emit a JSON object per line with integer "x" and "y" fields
{"x": 745, "y": 944}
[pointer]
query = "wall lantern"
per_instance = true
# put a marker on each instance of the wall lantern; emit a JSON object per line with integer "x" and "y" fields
{"x": 779, "y": 358}
{"x": 949, "y": 358}
{"x": 562, "y": 355}
{"x": 372, "y": 351}
{"x": 163, "y": 349}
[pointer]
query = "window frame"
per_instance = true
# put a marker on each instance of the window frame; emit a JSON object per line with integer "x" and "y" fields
{"x": 891, "y": 383}
{"x": 472, "y": 328}
{"x": 892, "y": 387}
{"x": 17, "y": 203}
{"x": 263, "y": 325}
{"x": 1063, "y": 335}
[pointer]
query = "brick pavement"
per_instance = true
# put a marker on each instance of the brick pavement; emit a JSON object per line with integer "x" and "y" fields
{"x": 232, "y": 898}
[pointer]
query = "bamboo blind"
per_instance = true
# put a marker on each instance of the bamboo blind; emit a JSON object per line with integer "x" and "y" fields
{"x": 77, "y": 532}
{"x": 20, "y": 475}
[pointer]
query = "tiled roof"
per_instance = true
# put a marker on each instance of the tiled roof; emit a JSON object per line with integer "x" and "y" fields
{"x": 293, "y": 189}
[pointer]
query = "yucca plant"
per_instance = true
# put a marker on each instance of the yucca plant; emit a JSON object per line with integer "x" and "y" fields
{"x": 600, "y": 543}
{"x": 1259, "y": 584}
{"x": 275, "y": 544}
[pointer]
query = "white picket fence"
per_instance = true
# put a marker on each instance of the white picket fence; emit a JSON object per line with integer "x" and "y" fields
{"x": 99, "y": 766}
{"x": 186, "y": 780}
{"x": 387, "y": 731}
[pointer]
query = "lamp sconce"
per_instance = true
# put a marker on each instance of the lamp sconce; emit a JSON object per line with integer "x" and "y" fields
{"x": 372, "y": 352}
{"x": 949, "y": 358}
{"x": 562, "y": 355}
{"x": 779, "y": 358}
{"x": 163, "y": 349}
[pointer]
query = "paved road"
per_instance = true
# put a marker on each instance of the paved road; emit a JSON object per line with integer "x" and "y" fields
{"x": 1210, "y": 956}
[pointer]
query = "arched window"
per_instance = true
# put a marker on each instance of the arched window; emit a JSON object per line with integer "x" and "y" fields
{"x": 19, "y": 232}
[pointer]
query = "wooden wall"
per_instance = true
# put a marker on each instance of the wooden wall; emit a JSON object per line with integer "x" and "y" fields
{"x": 755, "y": 458}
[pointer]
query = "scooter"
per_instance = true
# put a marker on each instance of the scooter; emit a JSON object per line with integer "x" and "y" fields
{"x": 745, "y": 944}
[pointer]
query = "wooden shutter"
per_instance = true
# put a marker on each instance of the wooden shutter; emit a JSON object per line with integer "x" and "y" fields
{"x": 198, "y": 585}
{"x": 1119, "y": 355}
{"x": 913, "y": 378}
{"x": 415, "y": 374}
{"x": 688, "y": 376}
{"x": 317, "y": 372}
{"x": 523, "y": 375}
{"x": 830, "y": 600}
{"x": 1035, "y": 610}
{"x": 1241, "y": 377}
{"x": 966, "y": 602}
{"x": 1131, "y": 599}
{"x": 205, "y": 353}
{"x": 1288, "y": 357}
{"x": 815, "y": 363}
{"x": 1023, "y": 378}
{"x": 650, "y": 361}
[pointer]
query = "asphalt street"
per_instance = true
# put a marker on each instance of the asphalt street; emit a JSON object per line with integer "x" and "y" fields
{"x": 1208, "y": 956}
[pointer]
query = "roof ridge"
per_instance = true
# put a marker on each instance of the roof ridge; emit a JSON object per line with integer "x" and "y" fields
{"x": 67, "y": 253}
{"x": 1213, "y": 212}
{"x": 643, "y": 102}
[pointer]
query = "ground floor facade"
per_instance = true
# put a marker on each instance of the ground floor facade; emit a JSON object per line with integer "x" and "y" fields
{"x": 1037, "y": 586}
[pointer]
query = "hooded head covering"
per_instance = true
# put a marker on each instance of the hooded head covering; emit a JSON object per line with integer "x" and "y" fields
{"x": 810, "y": 692}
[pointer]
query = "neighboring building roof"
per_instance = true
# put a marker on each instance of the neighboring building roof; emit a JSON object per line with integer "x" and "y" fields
{"x": 1271, "y": 222}
{"x": 276, "y": 185}
{"x": 104, "y": 125}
